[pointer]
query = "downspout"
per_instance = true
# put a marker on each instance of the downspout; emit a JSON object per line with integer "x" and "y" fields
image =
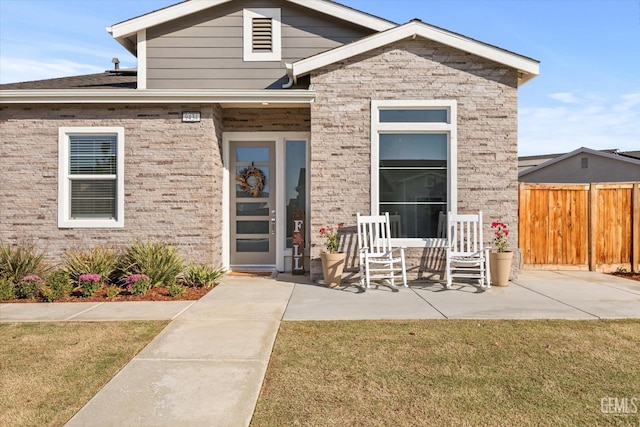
{"x": 292, "y": 79}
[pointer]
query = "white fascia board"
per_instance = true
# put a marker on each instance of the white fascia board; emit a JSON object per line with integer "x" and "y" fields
{"x": 523, "y": 64}
{"x": 132, "y": 26}
{"x": 170, "y": 13}
{"x": 346, "y": 14}
{"x": 150, "y": 96}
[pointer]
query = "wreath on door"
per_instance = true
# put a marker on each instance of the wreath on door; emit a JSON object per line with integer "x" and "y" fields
{"x": 251, "y": 180}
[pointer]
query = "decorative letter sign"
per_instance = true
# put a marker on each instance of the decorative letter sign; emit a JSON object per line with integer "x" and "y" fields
{"x": 297, "y": 259}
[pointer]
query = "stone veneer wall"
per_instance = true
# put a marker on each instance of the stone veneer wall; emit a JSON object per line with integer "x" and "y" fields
{"x": 266, "y": 119}
{"x": 486, "y": 94}
{"x": 173, "y": 177}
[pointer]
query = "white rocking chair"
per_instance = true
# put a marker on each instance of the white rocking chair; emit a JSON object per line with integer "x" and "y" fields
{"x": 466, "y": 258}
{"x": 378, "y": 260}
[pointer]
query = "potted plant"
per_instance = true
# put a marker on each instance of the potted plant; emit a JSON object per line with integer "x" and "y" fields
{"x": 500, "y": 257}
{"x": 332, "y": 260}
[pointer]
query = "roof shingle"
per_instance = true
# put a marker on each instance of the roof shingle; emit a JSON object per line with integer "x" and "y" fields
{"x": 106, "y": 80}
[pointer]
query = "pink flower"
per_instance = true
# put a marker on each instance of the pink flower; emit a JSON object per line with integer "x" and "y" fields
{"x": 135, "y": 277}
{"x": 32, "y": 278}
{"x": 331, "y": 236}
{"x": 90, "y": 277}
{"x": 500, "y": 236}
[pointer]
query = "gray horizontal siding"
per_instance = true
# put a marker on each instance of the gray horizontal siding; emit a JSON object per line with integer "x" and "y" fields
{"x": 293, "y": 53}
{"x": 217, "y": 83}
{"x": 205, "y": 50}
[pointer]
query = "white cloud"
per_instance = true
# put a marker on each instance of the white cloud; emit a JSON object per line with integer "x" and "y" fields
{"x": 566, "y": 97}
{"x": 596, "y": 122}
{"x": 22, "y": 70}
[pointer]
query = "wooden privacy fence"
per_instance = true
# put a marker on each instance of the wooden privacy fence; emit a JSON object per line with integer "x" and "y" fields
{"x": 580, "y": 226}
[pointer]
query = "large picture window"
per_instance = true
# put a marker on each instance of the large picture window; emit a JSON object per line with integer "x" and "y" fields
{"x": 414, "y": 167}
{"x": 91, "y": 189}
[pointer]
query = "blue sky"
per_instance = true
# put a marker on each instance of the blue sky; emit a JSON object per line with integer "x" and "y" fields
{"x": 587, "y": 94}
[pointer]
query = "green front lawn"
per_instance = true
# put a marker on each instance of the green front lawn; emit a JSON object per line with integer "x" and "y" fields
{"x": 451, "y": 372}
{"x": 48, "y": 371}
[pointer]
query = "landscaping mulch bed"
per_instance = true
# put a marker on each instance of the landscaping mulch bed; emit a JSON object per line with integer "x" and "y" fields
{"x": 627, "y": 275}
{"x": 155, "y": 294}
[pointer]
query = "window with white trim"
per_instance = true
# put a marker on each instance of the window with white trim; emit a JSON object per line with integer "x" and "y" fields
{"x": 262, "y": 35}
{"x": 413, "y": 167}
{"x": 91, "y": 177}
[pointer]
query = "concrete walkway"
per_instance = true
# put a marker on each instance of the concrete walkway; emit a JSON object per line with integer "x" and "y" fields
{"x": 207, "y": 366}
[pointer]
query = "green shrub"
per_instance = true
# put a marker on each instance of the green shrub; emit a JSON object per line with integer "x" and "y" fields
{"x": 21, "y": 261}
{"x": 202, "y": 275}
{"x": 58, "y": 285}
{"x": 29, "y": 287}
{"x": 160, "y": 261}
{"x": 112, "y": 291}
{"x": 102, "y": 260}
{"x": 177, "y": 290}
{"x": 90, "y": 283}
{"x": 138, "y": 284}
{"x": 7, "y": 288}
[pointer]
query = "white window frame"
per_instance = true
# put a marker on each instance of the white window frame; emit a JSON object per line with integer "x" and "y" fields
{"x": 276, "y": 32}
{"x": 64, "y": 180}
{"x": 450, "y": 128}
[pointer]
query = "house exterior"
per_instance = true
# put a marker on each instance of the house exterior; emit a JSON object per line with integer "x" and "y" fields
{"x": 244, "y": 113}
{"x": 585, "y": 165}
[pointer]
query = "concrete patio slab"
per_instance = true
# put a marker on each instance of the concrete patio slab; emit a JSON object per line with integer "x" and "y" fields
{"x": 578, "y": 276}
{"x": 464, "y": 301}
{"x": 315, "y": 302}
{"x": 159, "y": 393}
{"x": 603, "y": 296}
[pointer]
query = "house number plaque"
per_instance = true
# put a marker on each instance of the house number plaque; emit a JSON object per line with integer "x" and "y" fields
{"x": 297, "y": 259}
{"x": 190, "y": 116}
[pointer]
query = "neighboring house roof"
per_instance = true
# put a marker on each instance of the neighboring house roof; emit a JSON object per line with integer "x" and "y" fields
{"x": 528, "y": 162}
{"x": 125, "y": 79}
{"x": 527, "y": 68}
{"x": 125, "y": 32}
{"x": 580, "y": 150}
{"x": 632, "y": 154}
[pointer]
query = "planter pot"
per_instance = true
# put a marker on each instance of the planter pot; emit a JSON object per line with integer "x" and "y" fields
{"x": 332, "y": 267}
{"x": 500, "y": 265}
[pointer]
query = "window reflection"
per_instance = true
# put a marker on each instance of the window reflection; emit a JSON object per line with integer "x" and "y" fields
{"x": 296, "y": 158}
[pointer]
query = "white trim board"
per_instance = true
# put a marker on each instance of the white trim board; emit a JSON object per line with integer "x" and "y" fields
{"x": 156, "y": 96}
{"x": 528, "y": 68}
{"x": 121, "y": 31}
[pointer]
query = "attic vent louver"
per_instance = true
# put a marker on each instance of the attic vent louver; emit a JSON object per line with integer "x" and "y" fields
{"x": 262, "y": 35}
